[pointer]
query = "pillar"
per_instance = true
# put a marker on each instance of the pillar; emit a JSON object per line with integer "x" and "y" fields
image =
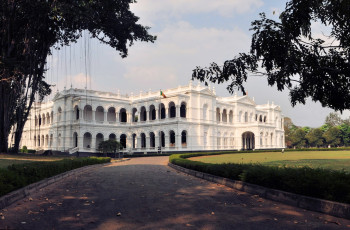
{"x": 105, "y": 116}
{"x": 177, "y": 107}
{"x": 178, "y": 141}
{"x": 93, "y": 115}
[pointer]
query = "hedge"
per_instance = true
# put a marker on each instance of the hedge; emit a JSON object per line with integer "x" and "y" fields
{"x": 19, "y": 175}
{"x": 320, "y": 183}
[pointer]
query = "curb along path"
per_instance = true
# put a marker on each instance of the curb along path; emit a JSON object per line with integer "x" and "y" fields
{"x": 144, "y": 194}
{"x": 28, "y": 190}
{"x": 313, "y": 204}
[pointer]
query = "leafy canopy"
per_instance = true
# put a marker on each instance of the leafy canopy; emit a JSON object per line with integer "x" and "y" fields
{"x": 291, "y": 57}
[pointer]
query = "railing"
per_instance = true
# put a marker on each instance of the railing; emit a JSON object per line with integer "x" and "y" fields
{"x": 73, "y": 150}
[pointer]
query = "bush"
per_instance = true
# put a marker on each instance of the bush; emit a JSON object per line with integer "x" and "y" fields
{"x": 24, "y": 149}
{"x": 19, "y": 175}
{"x": 319, "y": 183}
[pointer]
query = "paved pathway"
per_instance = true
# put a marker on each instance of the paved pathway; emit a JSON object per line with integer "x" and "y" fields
{"x": 144, "y": 193}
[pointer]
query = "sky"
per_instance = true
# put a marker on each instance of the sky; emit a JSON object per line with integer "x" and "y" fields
{"x": 189, "y": 33}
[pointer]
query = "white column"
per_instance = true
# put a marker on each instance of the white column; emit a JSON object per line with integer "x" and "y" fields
{"x": 93, "y": 115}
{"x": 177, "y": 107}
{"x": 104, "y": 116}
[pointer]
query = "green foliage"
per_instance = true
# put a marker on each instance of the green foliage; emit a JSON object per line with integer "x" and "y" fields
{"x": 20, "y": 175}
{"x": 298, "y": 138}
{"x": 332, "y": 136}
{"x": 345, "y": 133}
{"x": 109, "y": 146}
{"x": 24, "y": 149}
{"x": 320, "y": 183}
{"x": 294, "y": 57}
{"x": 314, "y": 137}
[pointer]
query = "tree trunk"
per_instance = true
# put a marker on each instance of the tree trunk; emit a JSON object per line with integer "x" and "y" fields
{"x": 5, "y": 125}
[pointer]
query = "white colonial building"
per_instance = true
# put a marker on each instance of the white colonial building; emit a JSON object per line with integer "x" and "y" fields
{"x": 190, "y": 118}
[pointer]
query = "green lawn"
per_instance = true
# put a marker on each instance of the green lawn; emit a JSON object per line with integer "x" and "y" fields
{"x": 336, "y": 160}
{"x": 6, "y": 159}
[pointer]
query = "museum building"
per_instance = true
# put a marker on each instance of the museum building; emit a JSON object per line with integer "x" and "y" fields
{"x": 186, "y": 118}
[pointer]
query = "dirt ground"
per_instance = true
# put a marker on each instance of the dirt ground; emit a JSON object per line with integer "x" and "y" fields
{"x": 144, "y": 193}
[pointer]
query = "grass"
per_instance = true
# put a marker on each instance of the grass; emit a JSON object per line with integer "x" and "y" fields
{"x": 335, "y": 160}
{"x": 7, "y": 159}
{"x": 16, "y": 176}
{"x": 320, "y": 180}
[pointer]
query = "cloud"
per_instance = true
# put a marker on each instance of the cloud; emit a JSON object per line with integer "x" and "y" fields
{"x": 150, "y": 10}
{"x": 79, "y": 81}
{"x": 179, "y": 49}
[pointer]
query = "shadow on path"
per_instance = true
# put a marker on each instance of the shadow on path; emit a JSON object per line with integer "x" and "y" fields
{"x": 144, "y": 193}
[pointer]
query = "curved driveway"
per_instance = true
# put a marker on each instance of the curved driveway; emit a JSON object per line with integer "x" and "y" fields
{"x": 144, "y": 193}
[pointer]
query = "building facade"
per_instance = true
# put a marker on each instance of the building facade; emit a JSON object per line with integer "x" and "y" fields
{"x": 189, "y": 118}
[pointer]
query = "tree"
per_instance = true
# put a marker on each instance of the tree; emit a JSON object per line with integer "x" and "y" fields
{"x": 289, "y": 128}
{"x": 298, "y": 138}
{"x": 109, "y": 146}
{"x": 31, "y": 28}
{"x": 345, "y": 134}
{"x": 314, "y": 137}
{"x": 333, "y": 119}
{"x": 332, "y": 136}
{"x": 288, "y": 54}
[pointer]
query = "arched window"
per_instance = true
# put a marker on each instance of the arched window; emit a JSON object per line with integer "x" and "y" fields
{"x": 99, "y": 114}
{"x": 246, "y": 117}
{"x": 143, "y": 140}
{"x": 231, "y": 116}
{"x": 47, "y": 118}
{"x": 36, "y": 120}
{"x": 260, "y": 118}
{"x": 88, "y": 113}
{"x": 183, "y": 109}
{"x": 171, "y": 138}
{"x": 152, "y": 113}
{"x": 75, "y": 139}
{"x": 256, "y": 117}
{"x": 52, "y": 117}
{"x": 111, "y": 115}
{"x": 152, "y": 141}
{"x": 172, "y": 110}
{"x": 135, "y": 118}
{"x": 143, "y": 114}
{"x": 264, "y": 119}
{"x": 184, "y": 138}
{"x": 112, "y": 137}
{"x": 43, "y": 118}
{"x": 59, "y": 114}
{"x": 224, "y": 115}
{"x": 162, "y": 139}
{"x": 42, "y": 140}
{"x": 99, "y": 139}
{"x": 51, "y": 139}
{"x": 123, "y": 140}
{"x": 35, "y": 141}
{"x": 205, "y": 111}
{"x": 39, "y": 119}
{"x": 134, "y": 141}
{"x": 218, "y": 114}
{"x": 162, "y": 111}
{"x": 261, "y": 139}
{"x": 240, "y": 116}
{"x": 76, "y": 112}
{"x": 59, "y": 140}
{"x": 122, "y": 115}
{"x": 87, "y": 140}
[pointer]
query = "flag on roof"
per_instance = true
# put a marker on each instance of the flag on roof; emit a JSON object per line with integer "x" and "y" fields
{"x": 162, "y": 94}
